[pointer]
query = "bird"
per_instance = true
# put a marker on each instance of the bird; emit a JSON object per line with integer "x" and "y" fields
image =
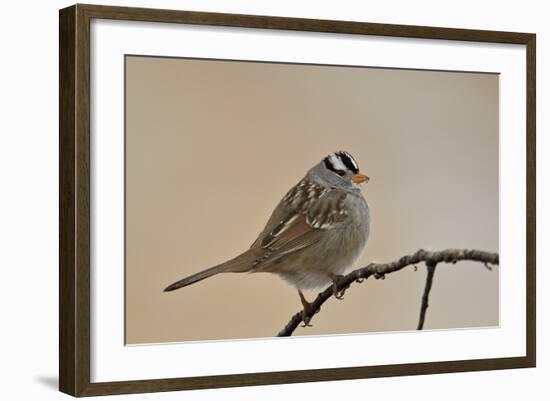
{"x": 315, "y": 233}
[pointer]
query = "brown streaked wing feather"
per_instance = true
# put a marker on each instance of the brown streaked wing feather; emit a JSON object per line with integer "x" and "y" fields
{"x": 328, "y": 211}
{"x": 287, "y": 231}
{"x": 297, "y": 200}
{"x": 299, "y": 231}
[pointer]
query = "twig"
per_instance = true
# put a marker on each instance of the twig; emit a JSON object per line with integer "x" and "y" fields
{"x": 426, "y": 295}
{"x": 381, "y": 269}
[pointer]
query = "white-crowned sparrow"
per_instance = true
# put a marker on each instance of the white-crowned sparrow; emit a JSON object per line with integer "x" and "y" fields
{"x": 315, "y": 233}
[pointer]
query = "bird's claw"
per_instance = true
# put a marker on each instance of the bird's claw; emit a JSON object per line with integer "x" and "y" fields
{"x": 307, "y": 310}
{"x": 338, "y": 294}
{"x": 305, "y": 320}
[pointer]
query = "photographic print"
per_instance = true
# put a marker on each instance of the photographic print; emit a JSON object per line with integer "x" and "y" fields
{"x": 254, "y": 189}
{"x": 258, "y": 200}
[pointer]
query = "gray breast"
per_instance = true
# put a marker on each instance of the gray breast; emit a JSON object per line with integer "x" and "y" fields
{"x": 336, "y": 253}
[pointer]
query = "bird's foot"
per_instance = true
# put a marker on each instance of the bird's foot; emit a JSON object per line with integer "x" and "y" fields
{"x": 307, "y": 311}
{"x": 336, "y": 279}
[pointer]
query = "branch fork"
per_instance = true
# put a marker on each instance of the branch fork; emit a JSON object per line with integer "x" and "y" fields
{"x": 379, "y": 271}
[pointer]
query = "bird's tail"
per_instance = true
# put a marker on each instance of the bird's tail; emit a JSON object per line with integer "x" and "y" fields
{"x": 240, "y": 264}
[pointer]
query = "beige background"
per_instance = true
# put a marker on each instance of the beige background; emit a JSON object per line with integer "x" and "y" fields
{"x": 212, "y": 146}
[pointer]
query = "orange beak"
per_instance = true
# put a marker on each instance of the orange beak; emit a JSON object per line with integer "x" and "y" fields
{"x": 359, "y": 178}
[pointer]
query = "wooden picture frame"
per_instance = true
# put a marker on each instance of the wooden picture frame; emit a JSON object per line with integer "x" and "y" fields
{"x": 74, "y": 199}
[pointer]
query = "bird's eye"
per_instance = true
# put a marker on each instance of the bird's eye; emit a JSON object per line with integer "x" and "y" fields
{"x": 341, "y": 173}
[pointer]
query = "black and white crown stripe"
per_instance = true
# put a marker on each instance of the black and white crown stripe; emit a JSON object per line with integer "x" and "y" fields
{"x": 341, "y": 161}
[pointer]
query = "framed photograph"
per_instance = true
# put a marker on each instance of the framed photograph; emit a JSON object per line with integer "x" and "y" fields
{"x": 250, "y": 200}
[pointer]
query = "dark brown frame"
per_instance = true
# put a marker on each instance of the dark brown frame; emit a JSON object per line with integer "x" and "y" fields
{"x": 74, "y": 199}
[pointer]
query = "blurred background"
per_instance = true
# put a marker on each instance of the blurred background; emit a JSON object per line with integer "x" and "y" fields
{"x": 212, "y": 146}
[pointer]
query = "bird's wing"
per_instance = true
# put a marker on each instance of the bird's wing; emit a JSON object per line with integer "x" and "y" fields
{"x": 299, "y": 221}
{"x": 297, "y": 201}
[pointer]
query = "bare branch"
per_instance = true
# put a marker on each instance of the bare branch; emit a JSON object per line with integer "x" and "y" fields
{"x": 379, "y": 270}
{"x": 426, "y": 295}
